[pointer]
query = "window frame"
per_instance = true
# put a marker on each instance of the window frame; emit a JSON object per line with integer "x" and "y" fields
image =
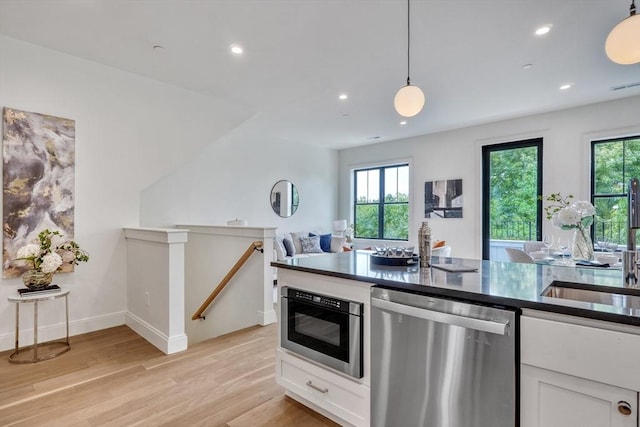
{"x": 592, "y": 178}
{"x": 537, "y": 143}
{"x": 381, "y": 199}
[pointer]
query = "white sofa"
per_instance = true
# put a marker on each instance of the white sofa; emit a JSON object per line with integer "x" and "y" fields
{"x": 303, "y": 245}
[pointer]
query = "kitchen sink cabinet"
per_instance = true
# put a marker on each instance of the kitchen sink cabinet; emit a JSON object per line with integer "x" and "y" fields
{"x": 578, "y": 373}
{"x": 552, "y": 399}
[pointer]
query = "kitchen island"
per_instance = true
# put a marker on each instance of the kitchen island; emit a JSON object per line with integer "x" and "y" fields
{"x": 565, "y": 344}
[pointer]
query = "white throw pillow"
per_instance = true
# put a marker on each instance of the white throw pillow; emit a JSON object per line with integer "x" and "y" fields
{"x": 295, "y": 237}
{"x": 278, "y": 246}
{"x": 337, "y": 243}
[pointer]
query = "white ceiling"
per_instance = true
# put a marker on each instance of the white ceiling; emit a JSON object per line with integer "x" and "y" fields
{"x": 467, "y": 56}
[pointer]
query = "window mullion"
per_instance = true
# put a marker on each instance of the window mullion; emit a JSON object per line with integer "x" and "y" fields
{"x": 381, "y": 204}
{"x": 609, "y": 224}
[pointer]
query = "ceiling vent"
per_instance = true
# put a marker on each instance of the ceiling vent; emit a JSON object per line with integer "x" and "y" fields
{"x": 626, "y": 86}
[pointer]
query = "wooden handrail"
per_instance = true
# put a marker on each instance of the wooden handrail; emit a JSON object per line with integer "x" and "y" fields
{"x": 255, "y": 246}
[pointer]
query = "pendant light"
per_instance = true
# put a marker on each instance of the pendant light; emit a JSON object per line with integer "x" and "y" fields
{"x": 410, "y": 99}
{"x": 623, "y": 43}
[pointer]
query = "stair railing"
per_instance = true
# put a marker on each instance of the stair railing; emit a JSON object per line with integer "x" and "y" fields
{"x": 255, "y": 246}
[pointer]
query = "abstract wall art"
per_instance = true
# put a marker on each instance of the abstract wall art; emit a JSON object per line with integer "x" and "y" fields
{"x": 39, "y": 181}
{"x": 443, "y": 198}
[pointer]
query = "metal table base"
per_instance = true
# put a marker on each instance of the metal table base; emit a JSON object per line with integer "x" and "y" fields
{"x": 59, "y": 347}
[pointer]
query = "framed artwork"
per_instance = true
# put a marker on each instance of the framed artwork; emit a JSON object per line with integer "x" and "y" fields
{"x": 39, "y": 181}
{"x": 443, "y": 198}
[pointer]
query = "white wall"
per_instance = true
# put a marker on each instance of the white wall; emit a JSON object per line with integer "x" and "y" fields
{"x": 132, "y": 134}
{"x": 247, "y": 299}
{"x": 233, "y": 179}
{"x": 457, "y": 154}
{"x": 130, "y": 131}
{"x": 155, "y": 286}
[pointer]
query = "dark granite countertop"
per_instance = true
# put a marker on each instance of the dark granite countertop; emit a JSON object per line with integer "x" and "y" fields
{"x": 496, "y": 283}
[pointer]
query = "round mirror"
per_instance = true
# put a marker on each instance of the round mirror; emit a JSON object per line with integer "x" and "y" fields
{"x": 284, "y": 198}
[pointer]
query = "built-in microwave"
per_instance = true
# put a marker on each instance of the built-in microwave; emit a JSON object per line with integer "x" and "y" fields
{"x": 322, "y": 328}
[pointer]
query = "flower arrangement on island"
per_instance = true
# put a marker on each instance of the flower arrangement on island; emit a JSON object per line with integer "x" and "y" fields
{"x": 47, "y": 258}
{"x": 566, "y": 214}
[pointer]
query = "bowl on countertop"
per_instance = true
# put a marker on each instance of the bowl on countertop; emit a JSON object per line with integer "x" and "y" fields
{"x": 538, "y": 255}
{"x": 607, "y": 259}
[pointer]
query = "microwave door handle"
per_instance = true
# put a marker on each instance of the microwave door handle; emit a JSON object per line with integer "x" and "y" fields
{"x": 490, "y": 326}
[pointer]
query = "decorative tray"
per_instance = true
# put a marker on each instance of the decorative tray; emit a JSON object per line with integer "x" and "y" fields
{"x": 395, "y": 260}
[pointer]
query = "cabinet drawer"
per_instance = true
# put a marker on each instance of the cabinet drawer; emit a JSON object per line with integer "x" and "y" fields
{"x": 607, "y": 356}
{"x": 343, "y": 398}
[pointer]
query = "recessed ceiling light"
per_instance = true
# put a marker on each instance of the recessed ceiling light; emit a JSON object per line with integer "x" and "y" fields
{"x": 543, "y": 30}
{"x": 404, "y": 122}
{"x": 235, "y": 49}
{"x": 565, "y": 86}
{"x": 343, "y": 96}
{"x": 527, "y": 66}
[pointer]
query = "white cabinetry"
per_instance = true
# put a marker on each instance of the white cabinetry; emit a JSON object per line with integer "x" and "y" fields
{"x": 578, "y": 373}
{"x": 336, "y": 397}
{"x": 552, "y": 399}
{"x": 344, "y": 399}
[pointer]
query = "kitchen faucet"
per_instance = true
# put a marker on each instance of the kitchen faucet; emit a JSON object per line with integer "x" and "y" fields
{"x": 630, "y": 267}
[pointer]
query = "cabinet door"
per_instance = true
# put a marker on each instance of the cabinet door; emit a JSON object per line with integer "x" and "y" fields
{"x": 552, "y": 399}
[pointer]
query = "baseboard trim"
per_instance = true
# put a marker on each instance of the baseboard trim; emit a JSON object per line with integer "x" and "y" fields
{"x": 167, "y": 345}
{"x": 58, "y": 330}
{"x": 267, "y": 317}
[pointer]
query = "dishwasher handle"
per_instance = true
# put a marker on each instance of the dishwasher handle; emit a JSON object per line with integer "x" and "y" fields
{"x": 490, "y": 326}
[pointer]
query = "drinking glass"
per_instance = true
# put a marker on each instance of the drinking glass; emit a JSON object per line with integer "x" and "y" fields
{"x": 602, "y": 243}
{"x": 564, "y": 243}
{"x": 547, "y": 241}
{"x": 611, "y": 247}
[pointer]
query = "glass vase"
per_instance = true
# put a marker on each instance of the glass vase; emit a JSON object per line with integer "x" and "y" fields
{"x": 34, "y": 279}
{"x": 581, "y": 246}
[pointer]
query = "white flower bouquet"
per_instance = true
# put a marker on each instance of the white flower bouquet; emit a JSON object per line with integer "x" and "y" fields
{"x": 49, "y": 258}
{"x": 567, "y": 215}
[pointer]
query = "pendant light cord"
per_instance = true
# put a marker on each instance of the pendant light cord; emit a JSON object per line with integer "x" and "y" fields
{"x": 409, "y": 42}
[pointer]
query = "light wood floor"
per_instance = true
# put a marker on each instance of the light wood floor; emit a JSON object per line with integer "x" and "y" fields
{"x": 114, "y": 377}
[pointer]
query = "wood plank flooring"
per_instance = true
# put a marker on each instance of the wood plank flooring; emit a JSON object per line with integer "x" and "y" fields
{"x": 114, "y": 377}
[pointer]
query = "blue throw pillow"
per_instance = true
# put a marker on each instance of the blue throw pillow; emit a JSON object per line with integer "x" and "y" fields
{"x": 288, "y": 245}
{"x": 325, "y": 241}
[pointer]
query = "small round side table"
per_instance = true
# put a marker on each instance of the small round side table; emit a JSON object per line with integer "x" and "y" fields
{"x": 60, "y": 346}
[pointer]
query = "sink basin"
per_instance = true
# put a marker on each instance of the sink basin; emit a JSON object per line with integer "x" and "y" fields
{"x": 619, "y": 297}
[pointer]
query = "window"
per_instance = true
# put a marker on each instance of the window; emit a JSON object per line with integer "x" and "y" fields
{"x": 381, "y": 208}
{"x": 511, "y": 182}
{"x": 613, "y": 163}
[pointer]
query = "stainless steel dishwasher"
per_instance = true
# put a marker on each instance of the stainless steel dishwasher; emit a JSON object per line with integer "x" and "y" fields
{"x": 441, "y": 363}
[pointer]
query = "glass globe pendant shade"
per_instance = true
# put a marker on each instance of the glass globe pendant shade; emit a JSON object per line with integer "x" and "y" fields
{"x": 623, "y": 43}
{"x": 409, "y": 101}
